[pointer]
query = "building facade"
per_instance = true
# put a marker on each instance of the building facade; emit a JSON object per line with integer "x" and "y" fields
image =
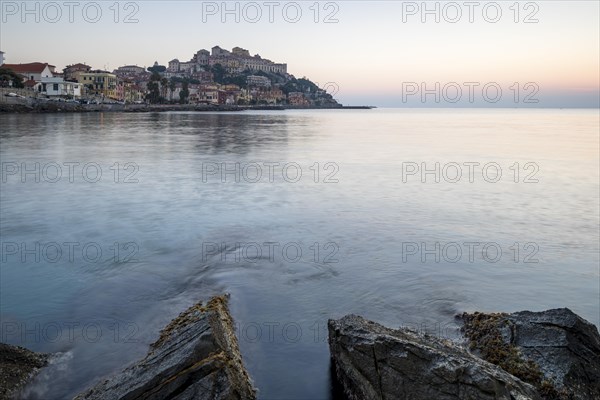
{"x": 71, "y": 72}
{"x": 57, "y": 87}
{"x": 32, "y": 71}
{"x": 99, "y": 83}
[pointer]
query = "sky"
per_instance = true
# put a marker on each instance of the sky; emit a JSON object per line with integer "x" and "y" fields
{"x": 382, "y": 53}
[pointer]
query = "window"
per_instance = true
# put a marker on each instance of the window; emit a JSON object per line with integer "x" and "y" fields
{"x": 55, "y": 87}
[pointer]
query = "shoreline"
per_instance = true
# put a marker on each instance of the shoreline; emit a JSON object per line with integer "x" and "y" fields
{"x": 552, "y": 354}
{"x": 41, "y": 108}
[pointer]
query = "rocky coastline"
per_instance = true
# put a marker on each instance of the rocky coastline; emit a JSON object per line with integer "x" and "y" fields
{"x": 551, "y": 355}
{"x": 18, "y": 366}
{"x": 548, "y": 355}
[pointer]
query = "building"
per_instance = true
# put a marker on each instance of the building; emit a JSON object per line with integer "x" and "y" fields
{"x": 203, "y": 76}
{"x": 297, "y": 99}
{"x": 219, "y": 52}
{"x": 57, "y": 87}
{"x": 173, "y": 65}
{"x": 132, "y": 73}
{"x": 239, "y": 52}
{"x": 272, "y": 96}
{"x": 32, "y": 71}
{"x": 99, "y": 83}
{"x": 72, "y": 71}
{"x": 231, "y": 65}
{"x": 211, "y": 94}
{"x": 201, "y": 57}
{"x": 259, "y": 64}
{"x": 188, "y": 67}
{"x": 128, "y": 91}
{"x": 232, "y": 93}
{"x": 130, "y": 69}
{"x": 258, "y": 81}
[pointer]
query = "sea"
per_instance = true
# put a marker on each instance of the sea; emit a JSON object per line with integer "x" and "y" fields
{"x": 114, "y": 223}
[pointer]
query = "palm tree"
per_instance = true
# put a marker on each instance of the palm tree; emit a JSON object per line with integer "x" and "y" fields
{"x": 164, "y": 82}
{"x": 172, "y": 86}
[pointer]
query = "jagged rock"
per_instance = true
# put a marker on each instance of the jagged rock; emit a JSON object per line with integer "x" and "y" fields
{"x": 17, "y": 367}
{"x": 555, "y": 350}
{"x": 375, "y": 362}
{"x": 196, "y": 357}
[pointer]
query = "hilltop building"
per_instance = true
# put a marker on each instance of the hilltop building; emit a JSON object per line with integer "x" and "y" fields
{"x": 130, "y": 69}
{"x": 235, "y": 61}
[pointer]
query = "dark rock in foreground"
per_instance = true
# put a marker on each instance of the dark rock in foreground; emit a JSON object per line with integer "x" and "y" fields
{"x": 17, "y": 367}
{"x": 555, "y": 350}
{"x": 375, "y": 362}
{"x": 196, "y": 357}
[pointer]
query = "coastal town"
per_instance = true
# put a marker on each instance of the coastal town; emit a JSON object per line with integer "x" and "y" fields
{"x": 218, "y": 77}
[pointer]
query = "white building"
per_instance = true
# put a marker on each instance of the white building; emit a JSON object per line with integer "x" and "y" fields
{"x": 57, "y": 87}
{"x": 32, "y": 71}
{"x": 259, "y": 81}
{"x": 173, "y": 65}
{"x": 259, "y": 64}
{"x": 132, "y": 69}
{"x": 218, "y": 52}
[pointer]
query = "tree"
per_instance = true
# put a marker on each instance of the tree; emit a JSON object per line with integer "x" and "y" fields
{"x": 300, "y": 85}
{"x": 240, "y": 80}
{"x": 153, "y": 86}
{"x": 8, "y": 75}
{"x": 218, "y": 73}
{"x": 164, "y": 84}
{"x": 184, "y": 93}
{"x": 172, "y": 86}
{"x": 157, "y": 68}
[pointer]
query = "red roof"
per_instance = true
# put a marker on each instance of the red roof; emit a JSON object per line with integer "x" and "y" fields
{"x": 30, "y": 83}
{"x": 36, "y": 67}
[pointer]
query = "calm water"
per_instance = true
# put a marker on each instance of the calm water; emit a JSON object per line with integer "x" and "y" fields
{"x": 123, "y": 248}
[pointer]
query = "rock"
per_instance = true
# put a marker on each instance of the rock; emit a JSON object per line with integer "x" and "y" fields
{"x": 556, "y": 350}
{"x": 17, "y": 367}
{"x": 375, "y": 362}
{"x": 195, "y": 357}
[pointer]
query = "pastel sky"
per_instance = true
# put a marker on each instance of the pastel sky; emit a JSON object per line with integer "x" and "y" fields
{"x": 375, "y": 52}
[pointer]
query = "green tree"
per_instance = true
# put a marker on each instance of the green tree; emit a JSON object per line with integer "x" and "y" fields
{"x": 157, "y": 68}
{"x": 8, "y": 75}
{"x": 172, "y": 86}
{"x": 218, "y": 73}
{"x": 153, "y": 87}
{"x": 185, "y": 92}
{"x": 164, "y": 85}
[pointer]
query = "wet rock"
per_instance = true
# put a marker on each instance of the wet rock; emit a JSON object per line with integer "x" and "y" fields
{"x": 195, "y": 357}
{"x": 375, "y": 362}
{"x": 555, "y": 350}
{"x": 17, "y": 367}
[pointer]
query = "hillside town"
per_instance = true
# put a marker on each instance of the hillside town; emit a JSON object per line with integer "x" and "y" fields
{"x": 216, "y": 77}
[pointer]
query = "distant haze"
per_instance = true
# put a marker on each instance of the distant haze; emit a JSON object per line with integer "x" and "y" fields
{"x": 378, "y": 52}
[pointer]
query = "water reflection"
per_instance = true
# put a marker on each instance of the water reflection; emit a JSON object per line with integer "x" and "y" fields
{"x": 172, "y": 212}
